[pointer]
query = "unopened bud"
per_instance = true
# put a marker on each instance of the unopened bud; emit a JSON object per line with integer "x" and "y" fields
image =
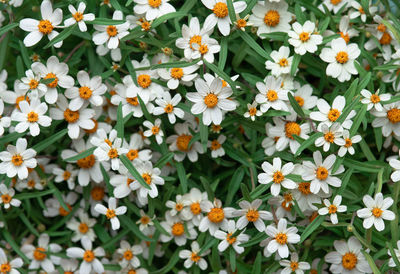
{"x": 143, "y": 45}
{"x": 350, "y": 228}
{"x": 41, "y": 228}
{"x": 167, "y": 51}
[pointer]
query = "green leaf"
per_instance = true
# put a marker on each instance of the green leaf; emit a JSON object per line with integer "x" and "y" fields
{"x": 221, "y": 74}
{"x": 58, "y": 196}
{"x": 310, "y": 141}
{"x": 371, "y": 262}
{"x": 393, "y": 254}
{"x": 11, "y": 137}
{"x": 182, "y": 176}
{"x": 203, "y": 135}
{"x": 357, "y": 120}
{"x": 35, "y": 194}
{"x": 25, "y": 56}
{"x": 178, "y": 64}
{"x": 253, "y": 44}
{"x": 231, "y": 10}
{"x": 128, "y": 223}
{"x": 9, "y": 240}
{"x": 257, "y": 264}
{"x": 208, "y": 245}
{"x": 223, "y": 53}
{"x": 347, "y": 109}
{"x": 61, "y": 36}
{"x": 365, "y": 81}
{"x": 28, "y": 224}
{"x": 8, "y": 27}
{"x": 172, "y": 261}
{"x": 132, "y": 170}
{"x": 81, "y": 155}
{"x": 120, "y": 122}
{"x": 232, "y": 258}
{"x": 105, "y": 21}
{"x": 295, "y": 64}
{"x": 311, "y": 228}
{"x": 234, "y": 184}
{"x": 164, "y": 159}
{"x": 167, "y": 16}
{"x": 296, "y": 106}
{"x": 50, "y": 140}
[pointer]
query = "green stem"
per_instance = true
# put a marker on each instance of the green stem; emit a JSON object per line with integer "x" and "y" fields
{"x": 394, "y": 227}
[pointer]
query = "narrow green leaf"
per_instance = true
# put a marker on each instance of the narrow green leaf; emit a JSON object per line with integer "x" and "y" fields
{"x": 257, "y": 264}
{"x": 61, "y": 36}
{"x": 203, "y": 135}
{"x": 50, "y": 140}
{"x": 9, "y": 239}
{"x": 253, "y": 44}
{"x": 296, "y": 106}
{"x": 182, "y": 176}
{"x": 223, "y": 53}
{"x": 132, "y": 170}
{"x": 231, "y": 10}
{"x": 311, "y": 228}
{"x": 310, "y": 141}
{"x": 232, "y": 258}
{"x": 167, "y": 16}
{"x": 81, "y": 155}
{"x": 128, "y": 223}
{"x": 105, "y": 21}
{"x": 371, "y": 262}
{"x": 120, "y": 122}
{"x": 393, "y": 254}
{"x": 295, "y": 64}
{"x": 234, "y": 184}
{"x": 208, "y": 245}
{"x": 8, "y": 27}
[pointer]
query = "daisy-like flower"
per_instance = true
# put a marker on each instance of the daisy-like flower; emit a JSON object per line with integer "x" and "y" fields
{"x": 180, "y": 143}
{"x": 385, "y": 38}
{"x": 241, "y": 23}
{"x": 39, "y": 254}
{"x": 304, "y": 197}
{"x": 7, "y": 197}
{"x": 69, "y": 265}
{"x": 374, "y": 100}
{"x": 31, "y": 115}
{"x": 4, "y": 120}
{"x": 216, "y": 146}
{"x": 111, "y": 34}
{"x": 249, "y": 213}
{"x": 153, "y": 9}
{"x": 37, "y": 29}
{"x": 17, "y": 159}
{"x": 320, "y": 173}
{"x": 271, "y": 17}
{"x": 388, "y": 119}
{"x": 271, "y": 94}
{"x": 294, "y": 265}
{"x": 76, "y": 119}
{"x": 168, "y": 106}
{"x": 78, "y": 17}
{"x": 252, "y": 111}
{"x": 31, "y": 83}
{"x": 391, "y": 260}
{"x": 176, "y": 207}
{"x": 348, "y": 143}
{"x": 154, "y": 130}
{"x": 376, "y": 211}
{"x": 345, "y": 31}
{"x": 341, "y": 59}
{"x": 334, "y": 5}
{"x": 331, "y": 135}
{"x": 192, "y": 209}
{"x": 176, "y": 76}
{"x": 303, "y": 38}
{"x": 82, "y": 227}
{"x": 281, "y": 61}
{"x": 211, "y": 100}
{"x": 53, "y": 70}
{"x": 91, "y": 90}
{"x": 280, "y": 236}
{"x": 220, "y": 14}
{"x": 276, "y": 173}
{"x": 135, "y": 149}
{"x": 145, "y": 222}
{"x": 88, "y": 255}
{"x": 111, "y": 212}
{"x": 177, "y": 229}
{"x": 347, "y": 258}
{"x": 332, "y": 208}
{"x": 121, "y": 183}
{"x": 54, "y": 207}
{"x": 206, "y": 49}
{"x": 360, "y": 12}
{"x": 229, "y": 240}
{"x": 193, "y": 257}
{"x": 328, "y": 115}
{"x": 129, "y": 254}
{"x": 66, "y": 175}
{"x": 7, "y": 266}
{"x": 152, "y": 178}
{"x": 395, "y": 164}
{"x": 216, "y": 216}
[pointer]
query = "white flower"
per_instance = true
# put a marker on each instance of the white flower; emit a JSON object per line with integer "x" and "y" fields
{"x": 294, "y": 265}
{"x": 4, "y": 120}
{"x": 10, "y": 266}
{"x": 129, "y": 254}
{"x": 280, "y": 237}
{"x": 180, "y": 143}
{"x": 229, "y": 240}
{"x": 192, "y": 256}
{"x": 111, "y": 212}
{"x": 135, "y": 149}
{"x": 31, "y": 115}
{"x": 216, "y": 216}
{"x": 376, "y": 211}
{"x": 252, "y": 111}
{"x": 359, "y": 10}
{"x": 341, "y": 59}
{"x": 153, "y": 9}
{"x": 83, "y": 227}
{"x": 281, "y": 61}
{"x": 206, "y": 49}
{"x": 17, "y": 159}
{"x": 177, "y": 75}
{"x": 211, "y": 100}
{"x": 79, "y": 17}
{"x": 31, "y": 83}
{"x": 154, "y": 130}
{"x": 332, "y": 208}
{"x": 249, "y": 213}
{"x": 216, "y": 146}
{"x": 271, "y": 94}
{"x": 374, "y": 100}
{"x": 271, "y": 17}
{"x": 348, "y": 258}
{"x": 168, "y": 106}
{"x": 192, "y": 208}
{"x": 88, "y": 255}
{"x": 69, "y": 265}
{"x": 331, "y": 135}
{"x": 39, "y": 255}
{"x": 320, "y": 173}
{"x": 177, "y": 229}
{"x": 68, "y": 175}
{"x": 7, "y": 197}
{"x": 345, "y": 31}
{"x": 81, "y": 118}
{"x": 303, "y": 38}
{"x": 111, "y": 34}
{"x": 388, "y": 119}
{"x": 395, "y": 164}
{"x": 121, "y": 183}
{"x": 37, "y": 29}
{"x": 334, "y": 5}
{"x": 391, "y": 260}
{"x": 145, "y": 222}
{"x": 91, "y": 90}
{"x": 54, "y": 207}
{"x": 276, "y": 173}
{"x": 220, "y": 14}
{"x": 304, "y": 197}
{"x": 348, "y": 143}
{"x": 145, "y": 87}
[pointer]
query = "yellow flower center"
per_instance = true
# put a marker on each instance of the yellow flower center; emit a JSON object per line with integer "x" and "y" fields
{"x": 88, "y": 256}
{"x": 329, "y": 137}
{"x": 348, "y": 143}
{"x": 333, "y": 114}
{"x": 177, "y": 229}
{"x": 304, "y": 188}
{"x": 145, "y": 220}
{"x": 194, "y": 257}
{"x": 211, "y": 100}
{"x": 144, "y": 80}
{"x": 349, "y": 260}
{"x": 252, "y": 215}
{"x": 241, "y": 23}
{"x": 294, "y": 266}
{"x": 195, "y": 208}
{"x": 45, "y": 26}
{"x": 203, "y": 49}
{"x": 132, "y": 101}
{"x": 182, "y": 142}
{"x": 97, "y": 193}
{"x": 385, "y": 39}
{"x": 71, "y": 116}
{"x": 292, "y": 128}
{"x": 231, "y": 240}
{"x": 377, "y": 212}
{"x": 335, "y": 2}
{"x": 281, "y": 238}
{"x": 345, "y": 37}
{"x": 66, "y": 175}
{"x": 112, "y": 31}
{"x": 113, "y": 153}
{"x": 304, "y": 36}
{"x": 220, "y": 10}
{"x": 155, "y": 130}
{"x": 78, "y": 16}
{"x": 375, "y": 98}
{"x": 322, "y": 173}
{"x": 5, "y": 268}
{"x": 215, "y": 145}
{"x": 216, "y": 215}
{"x": 85, "y": 92}
{"x": 342, "y": 57}
{"x": 86, "y": 162}
{"x": 299, "y": 100}
{"x": 32, "y": 117}
{"x": 195, "y": 39}
{"x": 52, "y": 76}
{"x": 154, "y": 3}
{"x": 147, "y": 178}
{"x": 83, "y": 228}
{"x": 272, "y": 18}
{"x": 169, "y": 108}
{"x": 178, "y": 206}
{"x": 17, "y": 160}
{"x": 21, "y": 98}
{"x": 33, "y": 84}
{"x": 128, "y": 255}
{"x": 39, "y": 254}
{"x": 278, "y": 177}
{"x": 146, "y": 25}
{"x": 132, "y": 154}
{"x": 272, "y": 95}
{"x": 283, "y": 62}
{"x": 393, "y": 115}
{"x": 110, "y": 213}
{"x": 332, "y": 209}
{"x": 253, "y": 111}
{"x": 177, "y": 73}
{"x": 381, "y": 27}
{"x": 6, "y": 198}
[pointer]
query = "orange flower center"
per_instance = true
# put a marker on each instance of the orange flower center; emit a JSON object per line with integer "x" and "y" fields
{"x": 64, "y": 212}
{"x": 132, "y": 154}
{"x": 195, "y": 39}
{"x": 17, "y": 160}
{"x": 322, "y": 173}
{"x": 66, "y": 175}
{"x": 361, "y": 10}
{"x": 85, "y": 92}
{"x": 333, "y": 114}
{"x": 375, "y": 98}
{"x": 132, "y": 101}
{"x": 381, "y": 28}
{"x": 177, "y": 229}
{"x": 283, "y": 62}
{"x": 345, "y": 37}
{"x": 304, "y": 36}
{"x": 272, "y": 18}
{"x": 278, "y": 177}
{"x": 393, "y": 115}
{"x": 146, "y": 26}
{"x": 348, "y": 143}
{"x": 304, "y": 188}
{"x": 195, "y": 208}
{"x": 252, "y": 215}
{"x": 33, "y": 84}
{"x": 216, "y": 215}
{"x": 342, "y": 57}
{"x": 5, "y": 268}
{"x": 97, "y": 193}
{"x": 83, "y": 228}
{"x": 71, "y": 116}
{"x": 178, "y": 206}
{"x": 281, "y": 238}
{"x": 253, "y": 111}
{"x": 220, "y": 10}
{"x": 45, "y": 26}
{"x": 182, "y": 142}
{"x": 113, "y": 153}
{"x": 385, "y": 39}
{"x": 147, "y": 178}
{"x": 32, "y": 117}
{"x": 299, "y": 100}
{"x": 332, "y": 209}
{"x": 203, "y": 49}
{"x": 377, "y": 212}
{"x": 231, "y": 240}
{"x": 110, "y": 213}
{"x": 155, "y": 130}
{"x": 215, "y": 145}
{"x": 154, "y": 3}
{"x": 145, "y": 220}
{"x": 169, "y": 108}
{"x": 294, "y": 266}
{"x": 329, "y": 137}
{"x": 335, "y": 2}
{"x": 211, "y": 100}
{"x": 144, "y": 80}
{"x": 6, "y": 198}
{"x": 194, "y": 257}
{"x": 39, "y": 254}
{"x": 21, "y": 98}
{"x": 272, "y": 95}
{"x": 88, "y": 256}
{"x": 241, "y": 23}
{"x": 177, "y": 73}
{"x": 128, "y": 255}
{"x": 94, "y": 129}
{"x": 78, "y": 16}
{"x": 292, "y": 128}
{"x": 52, "y": 76}
{"x": 112, "y": 31}
{"x": 349, "y": 260}
{"x": 86, "y": 162}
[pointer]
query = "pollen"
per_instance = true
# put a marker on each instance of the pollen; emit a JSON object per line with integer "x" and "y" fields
{"x": 220, "y": 10}
{"x": 88, "y": 256}
{"x": 39, "y": 254}
{"x": 196, "y": 39}
{"x": 283, "y": 62}
{"x": 147, "y": 178}
{"x": 252, "y": 215}
{"x": 155, "y": 130}
{"x": 110, "y": 213}
{"x": 272, "y": 95}
{"x": 321, "y": 173}
{"x": 45, "y": 27}
{"x": 253, "y": 111}
{"x": 169, "y": 108}
{"x": 66, "y": 175}
{"x": 17, "y": 160}
{"x": 85, "y": 92}
{"x": 32, "y": 117}
{"x": 6, "y": 198}
{"x": 128, "y": 255}
{"x": 83, "y": 228}
{"x": 78, "y": 16}
{"x": 292, "y": 128}
{"x": 333, "y": 114}
{"x": 132, "y": 101}
{"x": 112, "y": 31}
{"x": 145, "y": 220}
{"x": 5, "y": 268}
{"x": 194, "y": 257}
{"x": 272, "y": 18}
{"x": 177, "y": 229}
{"x": 281, "y": 238}
{"x": 342, "y": 57}
{"x": 349, "y": 260}
{"x": 146, "y": 25}
{"x": 375, "y": 98}
{"x": 348, "y": 142}
{"x": 178, "y": 207}
{"x": 294, "y": 266}
{"x": 377, "y": 212}
{"x": 304, "y": 36}
{"x": 329, "y": 137}
{"x": 332, "y": 209}
{"x": 132, "y": 154}
{"x": 33, "y": 84}
{"x": 203, "y": 49}
{"x": 113, "y": 153}
{"x": 182, "y": 142}
{"x": 216, "y": 215}
{"x": 215, "y": 145}
{"x": 71, "y": 116}
{"x": 52, "y": 76}
{"x": 393, "y": 115}
{"x": 304, "y": 188}
{"x": 299, "y": 100}
{"x": 154, "y": 3}
{"x": 278, "y": 177}
{"x": 211, "y": 100}
{"x": 195, "y": 208}
{"x": 241, "y": 23}
{"x": 144, "y": 80}
{"x": 97, "y": 193}
{"x": 345, "y": 37}
{"x": 231, "y": 240}
{"x": 177, "y": 73}
{"x": 86, "y": 162}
